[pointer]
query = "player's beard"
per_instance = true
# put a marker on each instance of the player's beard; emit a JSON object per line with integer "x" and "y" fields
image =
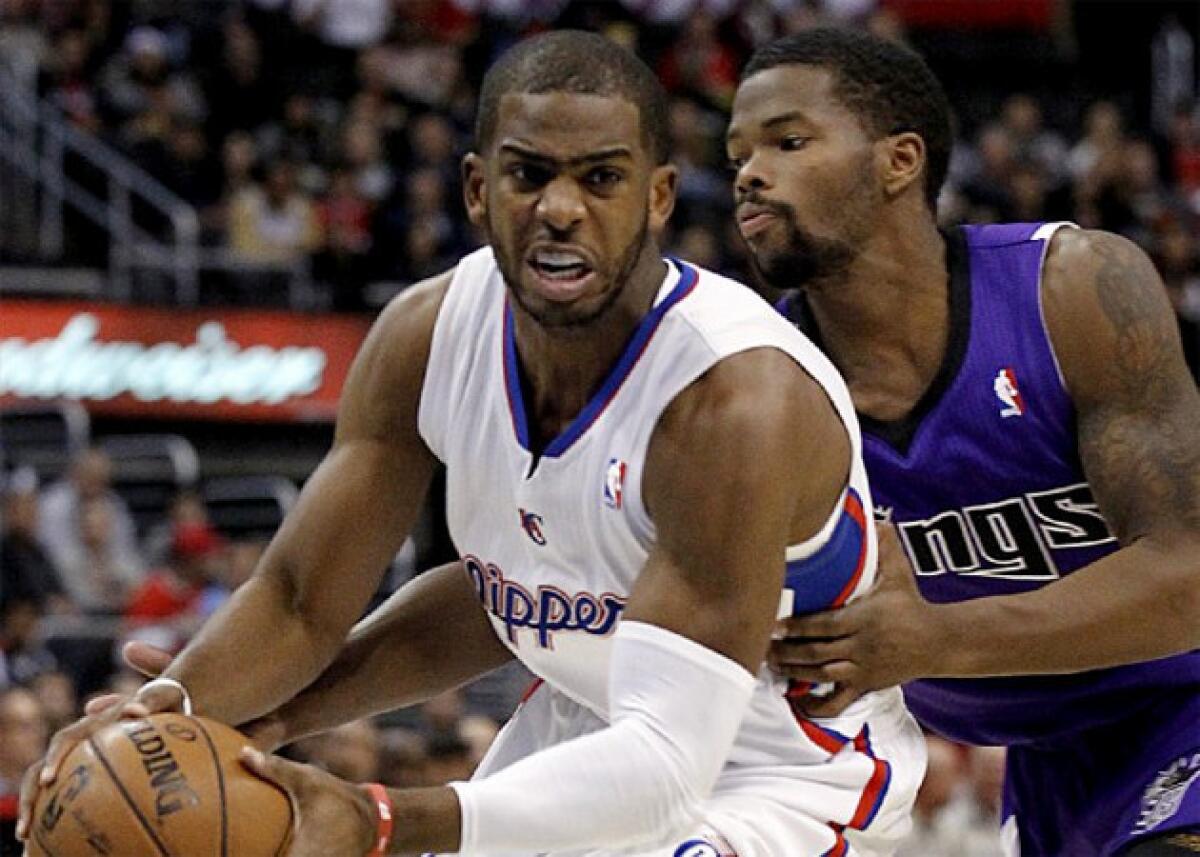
{"x": 806, "y": 259}
{"x": 555, "y": 317}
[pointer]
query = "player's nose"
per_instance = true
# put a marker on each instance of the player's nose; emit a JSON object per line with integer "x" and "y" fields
{"x": 753, "y": 175}
{"x": 561, "y": 205}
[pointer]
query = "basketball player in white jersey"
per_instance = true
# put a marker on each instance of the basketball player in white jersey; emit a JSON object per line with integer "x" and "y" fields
{"x": 638, "y": 453}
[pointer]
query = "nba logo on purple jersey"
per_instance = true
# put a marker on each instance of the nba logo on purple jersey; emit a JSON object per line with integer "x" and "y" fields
{"x": 1007, "y": 391}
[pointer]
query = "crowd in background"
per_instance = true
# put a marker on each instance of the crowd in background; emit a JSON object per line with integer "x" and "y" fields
{"x": 329, "y": 132}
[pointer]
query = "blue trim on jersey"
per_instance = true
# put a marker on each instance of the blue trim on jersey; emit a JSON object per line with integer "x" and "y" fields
{"x": 688, "y": 278}
{"x": 512, "y": 381}
{"x": 820, "y": 580}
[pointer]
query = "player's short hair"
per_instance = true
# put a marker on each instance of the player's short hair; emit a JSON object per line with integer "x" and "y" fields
{"x": 578, "y": 62}
{"x": 886, "y": 84}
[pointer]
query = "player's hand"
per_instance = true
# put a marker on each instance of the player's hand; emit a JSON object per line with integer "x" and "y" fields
{"x": 44, "y": 772}
{"x": 886, "y": 637}
{"x": 150, "y": 661}
{"x": 332, "y": 817}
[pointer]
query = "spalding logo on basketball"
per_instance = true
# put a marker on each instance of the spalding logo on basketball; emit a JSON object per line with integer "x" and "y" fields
{"x": 164, "y": 786}
{"x": 696, "y": 848}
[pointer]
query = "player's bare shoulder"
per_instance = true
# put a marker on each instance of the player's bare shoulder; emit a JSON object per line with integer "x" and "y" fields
{"x": 384, "y": 386}
{"x": 1107, "y": 313}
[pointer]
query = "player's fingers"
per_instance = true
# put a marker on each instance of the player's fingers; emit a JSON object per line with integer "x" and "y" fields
{"x": 287, "y": 775}
{"x": 29, "y": 791}
{"x": 831, "y": 705}
{"x": 826, "y": 625}
{"x": 812, "y": 673}
{"x": 809, "y": 653}
{"x": 149, "y": 660}
{"x": 102, "y": 703}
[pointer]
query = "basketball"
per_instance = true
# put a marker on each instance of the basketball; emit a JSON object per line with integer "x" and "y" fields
{"x": 165, "y": 786}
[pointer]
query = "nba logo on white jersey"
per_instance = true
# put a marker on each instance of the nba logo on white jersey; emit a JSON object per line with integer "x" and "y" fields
{"x": 614, "y": 483}
{"x": 1008, "y": 393}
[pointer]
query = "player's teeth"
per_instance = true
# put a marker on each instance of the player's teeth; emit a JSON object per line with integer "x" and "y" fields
{"x": 558, "y": 260}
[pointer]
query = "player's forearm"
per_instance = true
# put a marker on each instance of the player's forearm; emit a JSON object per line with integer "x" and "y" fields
{"x": 254, "y": 654}
{"x": 430, "y": 636}
{"x": 1137, "y": 604}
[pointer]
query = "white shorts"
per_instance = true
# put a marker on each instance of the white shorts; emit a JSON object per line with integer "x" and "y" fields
{"x": 761, "y": 811}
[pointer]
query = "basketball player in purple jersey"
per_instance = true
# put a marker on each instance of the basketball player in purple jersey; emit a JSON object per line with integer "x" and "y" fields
{"x": 1031, "y": 430}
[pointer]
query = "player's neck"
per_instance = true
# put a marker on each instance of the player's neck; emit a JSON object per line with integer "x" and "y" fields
{"x": 886, "y": 325}
{"x": 563, "y": 368}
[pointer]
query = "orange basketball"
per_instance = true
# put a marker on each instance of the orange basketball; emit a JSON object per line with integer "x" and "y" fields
{"x": 165, "y": 786}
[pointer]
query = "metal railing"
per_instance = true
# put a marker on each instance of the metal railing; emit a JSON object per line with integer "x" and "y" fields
{"x": 37, "y": 189}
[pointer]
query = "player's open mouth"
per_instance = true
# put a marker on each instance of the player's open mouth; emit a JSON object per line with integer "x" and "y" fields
{"x": 562, "y": 275}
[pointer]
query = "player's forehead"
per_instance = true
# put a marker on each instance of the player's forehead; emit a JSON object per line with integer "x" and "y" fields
{"x": 795, "y": 92}
{"x": 568, "y": 125}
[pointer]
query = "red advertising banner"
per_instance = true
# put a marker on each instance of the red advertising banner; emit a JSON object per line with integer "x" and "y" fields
{"x": 202, "y": 364}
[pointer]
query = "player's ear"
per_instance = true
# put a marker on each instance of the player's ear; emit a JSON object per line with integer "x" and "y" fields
{"x": 664, "y": 187}
{"x": 474, "y": 186}
{"x": 903, "y": 161}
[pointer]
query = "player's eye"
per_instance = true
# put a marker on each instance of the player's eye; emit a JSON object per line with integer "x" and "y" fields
{"x": 734, "y": 165}
{"x": 794, "y": 142}
{"x": 604, "y": 178}
{"x": 529, "y": 175}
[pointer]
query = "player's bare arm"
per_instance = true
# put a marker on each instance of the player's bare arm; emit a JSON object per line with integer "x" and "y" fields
{"x": 398, "y": 656}
{"x": 351, "y": 518}
{"x": 1116, "y": 341}
{"x": 751, "y": 458}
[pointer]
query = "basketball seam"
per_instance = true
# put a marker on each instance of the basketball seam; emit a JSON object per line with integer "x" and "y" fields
{"x": 162, "y": 849}
{"x": 220, "y": 785}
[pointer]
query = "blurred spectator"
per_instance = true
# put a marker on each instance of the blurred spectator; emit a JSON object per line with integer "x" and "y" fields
{"x": 1178, "y": 260}
{"x": 989, "y": 188}
{"x": 698, "y": 63}
{"x": 138, "y": 86}
{"x": 957, "y": 812}
{"x": 939, "y": 805}
{"x": 67, "y": 81}
{"x": 24, "y": 735}
{"x": 55, "y": 691}
{"x": 186, "y": 507}
{"x": 237, "y": 89}
{"x": 345, "y": 217}
{"x": 26, "y": 572}
{"x": 1021, "y": 118}
{"x": 274, "y": 222}
{"x": 1183, "y": 145}
{"x": 96, "y": 572}
{"x": 448, "y": 759}
{"x": 1102, "y": 137}
{"x": 341, "y": 28}
{"x": 362, "y": 156}
{"x": 89, "y": 535}
{"x": 696, "y": 137}
{"x": 170, "y": 597}
{"x": 23, "y": 46}
{"x": 350, "y": 751}
{"x": 299, "y": 136}
{"x": 23, "y": 656}
{"x": 402, "y": 759}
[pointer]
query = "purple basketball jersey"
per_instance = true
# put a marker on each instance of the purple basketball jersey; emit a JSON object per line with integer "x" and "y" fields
{"x": 984, "y": 483}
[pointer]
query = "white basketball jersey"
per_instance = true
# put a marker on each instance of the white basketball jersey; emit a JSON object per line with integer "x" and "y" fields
{"x": 554, "y": 544}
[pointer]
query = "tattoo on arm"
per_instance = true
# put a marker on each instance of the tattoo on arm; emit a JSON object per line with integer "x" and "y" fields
{"x": 1139, "y": 410}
